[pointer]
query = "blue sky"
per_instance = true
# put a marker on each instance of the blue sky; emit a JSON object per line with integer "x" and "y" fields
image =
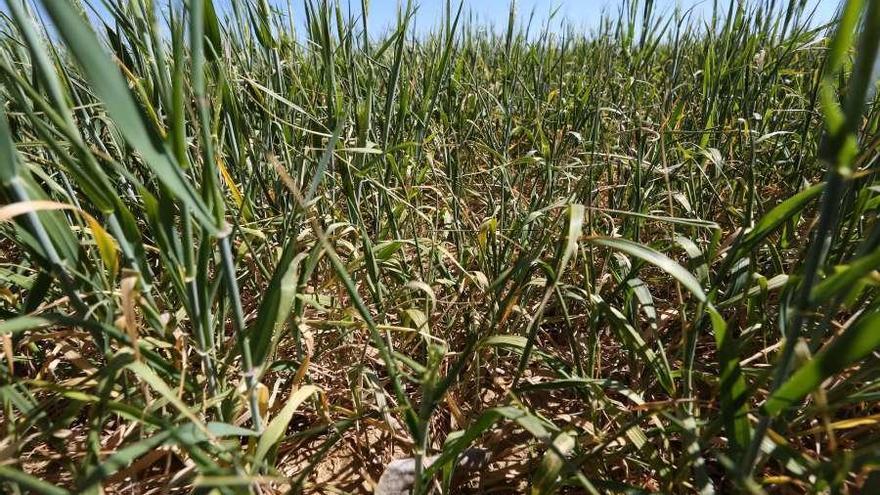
{"x": 582, "y": 14}
{"x": 578, "y": 13}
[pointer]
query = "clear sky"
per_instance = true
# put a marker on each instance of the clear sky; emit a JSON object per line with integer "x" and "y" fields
{"x": 578, "y": 13}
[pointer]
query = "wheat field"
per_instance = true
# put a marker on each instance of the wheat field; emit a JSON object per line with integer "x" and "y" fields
{"x": 243, "y": 252}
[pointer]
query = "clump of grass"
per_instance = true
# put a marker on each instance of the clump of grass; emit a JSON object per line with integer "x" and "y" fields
{"x": 237, "y": 258}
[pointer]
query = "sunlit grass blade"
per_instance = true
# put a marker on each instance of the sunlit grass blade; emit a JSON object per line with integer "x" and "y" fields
{"x": 129, "y": 118}
{"x": 278, "y": 425}
{"x": 856, "y": 342}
